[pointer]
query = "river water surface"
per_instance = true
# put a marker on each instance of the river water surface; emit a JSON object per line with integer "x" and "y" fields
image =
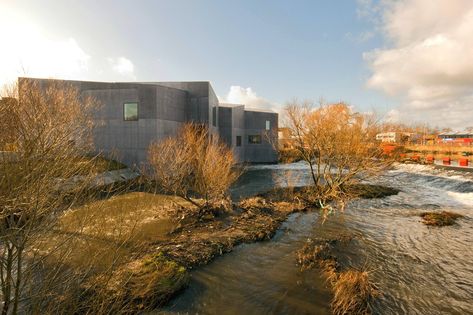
{"x": 419, "y": 269}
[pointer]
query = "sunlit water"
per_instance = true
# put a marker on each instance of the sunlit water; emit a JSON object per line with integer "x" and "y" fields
{"x": 419, "y": 269}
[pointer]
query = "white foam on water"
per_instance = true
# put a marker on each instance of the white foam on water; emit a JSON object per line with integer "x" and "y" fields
{"x": 301, "y": 165}
{"x": 431, "y": 170}
{"x": 463, "y": 198}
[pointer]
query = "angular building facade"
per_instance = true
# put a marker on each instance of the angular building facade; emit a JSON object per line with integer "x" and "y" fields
{"x": 133, "y": 115}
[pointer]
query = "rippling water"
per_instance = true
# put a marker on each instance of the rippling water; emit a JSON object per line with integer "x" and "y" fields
{"x": 420, "y": 269}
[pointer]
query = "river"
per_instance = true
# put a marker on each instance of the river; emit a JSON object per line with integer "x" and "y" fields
{"x": 419, "y": 269}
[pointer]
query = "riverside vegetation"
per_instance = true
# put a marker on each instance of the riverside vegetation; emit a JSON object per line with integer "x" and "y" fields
{"x": 443, "y": 218}
{"x": 71, "y": 247}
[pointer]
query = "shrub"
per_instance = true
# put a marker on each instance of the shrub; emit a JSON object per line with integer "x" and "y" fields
{"x": 353, "y": 293}
{"x": 338, "y": 145}
{"x": 193, "y": 165}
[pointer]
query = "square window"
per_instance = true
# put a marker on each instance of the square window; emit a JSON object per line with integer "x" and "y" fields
{"x": 130, "y": 111}
{"x": 254, "y": 139}
{"x": 268, "y": 125}
{"x": 238, "y": 141}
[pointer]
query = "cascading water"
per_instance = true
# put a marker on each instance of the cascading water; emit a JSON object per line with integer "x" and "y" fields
{"x": 419, "y": 269}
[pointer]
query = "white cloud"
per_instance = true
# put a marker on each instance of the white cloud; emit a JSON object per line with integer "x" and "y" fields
{"x": 428, "y": 64}
{"x": 123, "y": 67}
{"x": 249, "y": 98}
{"x": 28, "y": 51}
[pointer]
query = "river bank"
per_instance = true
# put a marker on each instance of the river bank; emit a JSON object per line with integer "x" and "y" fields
{"x": 160, "y": 269}
{"x": 196, "y": 243}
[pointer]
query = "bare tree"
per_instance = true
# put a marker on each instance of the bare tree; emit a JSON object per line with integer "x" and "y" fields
{"x": 49, "y": 130}
{"x": 338, "y": 145}
{"x": 194, "y": 166}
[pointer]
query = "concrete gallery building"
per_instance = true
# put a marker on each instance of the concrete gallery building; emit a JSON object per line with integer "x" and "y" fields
{"x": 133, "y": 115}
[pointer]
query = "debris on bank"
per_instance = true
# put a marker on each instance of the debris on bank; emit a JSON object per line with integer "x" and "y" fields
{"x": 443, "y": 218}
{"x": 198, "y": 243}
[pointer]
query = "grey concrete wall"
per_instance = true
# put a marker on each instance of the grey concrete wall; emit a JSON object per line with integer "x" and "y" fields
{"x": 225, "y": 128}
{"x": 163, "y": 107}
{"x": 231, "y": 125}
{"x": 238, "y": 129}
{"x": 255, "y": 124}
{"x": 236, "y": 121}
{"x": 203, "y": 102}
{"x": 161, "y": 112}
{"x": 213, "y": 111}
{"x": 198, "y": 93}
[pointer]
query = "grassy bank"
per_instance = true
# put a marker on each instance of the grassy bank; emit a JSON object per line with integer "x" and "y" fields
{"x": 139, "y": 246}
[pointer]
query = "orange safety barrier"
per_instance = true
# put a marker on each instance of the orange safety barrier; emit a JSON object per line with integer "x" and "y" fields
{"x": 463, "y": 162}
{"x": 388, "y": 149}
{"x": 429, "y": 159}
{"x": 446, "y": 161}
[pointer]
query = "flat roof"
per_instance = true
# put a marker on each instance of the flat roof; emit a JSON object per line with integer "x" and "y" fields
{"x": 456, "y": 133}
{"x": 229, "y": 105}
{"x": 263, "y": 110}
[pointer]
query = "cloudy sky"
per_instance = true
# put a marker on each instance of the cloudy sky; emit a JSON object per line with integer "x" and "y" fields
{"x": 409, "y": 60}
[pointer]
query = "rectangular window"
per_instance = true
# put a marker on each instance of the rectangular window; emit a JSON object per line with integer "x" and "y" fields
{"x": 214, "y": 116}
{"x": 238, "y": 141}
{"x": 130, "y": 111}
{"x": 268, "y": 126}
{"x": 255, "y": 139}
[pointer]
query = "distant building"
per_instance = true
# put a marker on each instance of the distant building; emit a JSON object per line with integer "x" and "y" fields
{"x": 456, "y": 137}
{"x": 393, "y": 137}
{"x": 429, "y": 139}
{"x": 133, "y": 115}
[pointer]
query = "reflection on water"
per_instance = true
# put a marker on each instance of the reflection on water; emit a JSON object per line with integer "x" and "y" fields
{"x": 258, "y": 278}
{"x": 420, "y": 269}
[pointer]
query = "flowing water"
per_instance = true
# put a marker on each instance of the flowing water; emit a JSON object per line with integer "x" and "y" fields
{"x": 419, "y": 269}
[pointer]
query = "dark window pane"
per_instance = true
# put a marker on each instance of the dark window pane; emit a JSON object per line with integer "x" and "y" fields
{"x": 238, "y": 141}
{"x": 214, "y": 116}
{"x": 130, "y": 111}
{"x": 255, "y": 139}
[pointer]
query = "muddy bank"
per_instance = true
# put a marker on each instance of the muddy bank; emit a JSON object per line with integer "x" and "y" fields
{"x": 254, "y": 219}
{"x": 195, "y": 242}
{"x": 153, "y": 277}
